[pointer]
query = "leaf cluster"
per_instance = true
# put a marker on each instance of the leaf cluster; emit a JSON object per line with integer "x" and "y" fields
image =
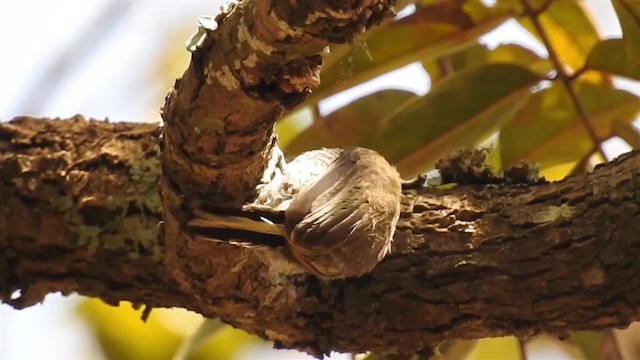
{"x": 555, "y": 109}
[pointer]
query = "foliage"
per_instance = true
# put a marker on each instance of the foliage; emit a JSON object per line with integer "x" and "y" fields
{"x": 477, "y": 90}
{"x": 123, "y": 335}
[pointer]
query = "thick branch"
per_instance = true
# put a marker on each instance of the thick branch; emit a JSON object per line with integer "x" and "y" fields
{"x": 264, "y": 57}
{"x": 78, "y": 213}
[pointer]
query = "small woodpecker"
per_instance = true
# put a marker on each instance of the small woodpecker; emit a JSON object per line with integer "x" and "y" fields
{"x": 336, "y": 208}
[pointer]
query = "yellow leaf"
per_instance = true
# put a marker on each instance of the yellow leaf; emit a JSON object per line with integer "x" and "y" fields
{"x": 549, "y": 130}
{"x": 496, "y": 348}
{"x": 570, "y": 30}
{"x": 123, "y": 335}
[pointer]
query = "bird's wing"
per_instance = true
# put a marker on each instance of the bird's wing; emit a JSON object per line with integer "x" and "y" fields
{"x": 328, "y": 210}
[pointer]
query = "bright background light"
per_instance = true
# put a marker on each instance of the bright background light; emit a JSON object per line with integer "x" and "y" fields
{"x": 99, "y": 59}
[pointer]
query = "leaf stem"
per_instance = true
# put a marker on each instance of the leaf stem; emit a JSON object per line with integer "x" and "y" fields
{"x": 614, "y": 352}
{"x": 523, "y": 351}
{"x": 544, "y": 7}
{"x": 581, "y": 165}
{"x": 564, "y": 77}
{"x": 444, "y": 66}
{"x": 577, "y": 74}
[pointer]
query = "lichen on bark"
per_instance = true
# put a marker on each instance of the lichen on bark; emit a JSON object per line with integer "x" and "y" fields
{"x": 80, "y": 211}
{"x": 471, "y": 261}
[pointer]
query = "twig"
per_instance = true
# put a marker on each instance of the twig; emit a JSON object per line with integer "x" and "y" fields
{"x": 611, "y": 349}
{"x": 523, "y": 351}
{"x": 580, "y": 167}
{"x": 544, "y": 7}
{"x": 444, "y": 66}
{"x": 564, "y": 77}
{"x": 146, "y": 312}
{"x": 577, "y": 74}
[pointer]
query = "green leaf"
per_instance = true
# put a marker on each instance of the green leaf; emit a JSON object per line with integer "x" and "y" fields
{"x": 569, "y": 28}
{"x": 349, "y": 125}
{"x": 480, "y": 54}
{"x": 628, "y": 12}
{"x": 590, "y": 343}
{"x": 437, "y": 28}
{"x": 226, "y": 343}
{"x": 548, "y": 130}
{"x": 627, "y": 132}
{"x": 611, "y": 56}
{"x": 517, "y": 54}
{"x": 458, "y": 112}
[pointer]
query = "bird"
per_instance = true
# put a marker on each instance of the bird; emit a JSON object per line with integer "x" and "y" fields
{"x": 335, "y": 208}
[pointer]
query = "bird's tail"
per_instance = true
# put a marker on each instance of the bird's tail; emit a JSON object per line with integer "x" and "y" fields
{"x": 257, "y": 225}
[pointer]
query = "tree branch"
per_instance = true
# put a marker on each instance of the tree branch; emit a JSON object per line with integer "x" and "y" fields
{"x": 78, "y": 213}
{"x": 263, "y": 57}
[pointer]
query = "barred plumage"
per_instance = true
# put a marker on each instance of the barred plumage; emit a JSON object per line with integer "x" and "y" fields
{"x": 342, "y": 224}
{"x": 340, "y": 209}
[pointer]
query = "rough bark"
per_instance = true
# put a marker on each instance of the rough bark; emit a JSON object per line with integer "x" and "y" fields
{"x": 262, "y": 58}
{"x": 80, "y": 208}
{"x": 79, "y": 211}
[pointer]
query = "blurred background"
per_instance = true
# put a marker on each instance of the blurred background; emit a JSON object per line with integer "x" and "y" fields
{"x": 116, "y": 60}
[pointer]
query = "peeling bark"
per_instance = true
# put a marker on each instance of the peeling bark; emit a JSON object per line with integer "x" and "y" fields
{"x": 78, "y": 214}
